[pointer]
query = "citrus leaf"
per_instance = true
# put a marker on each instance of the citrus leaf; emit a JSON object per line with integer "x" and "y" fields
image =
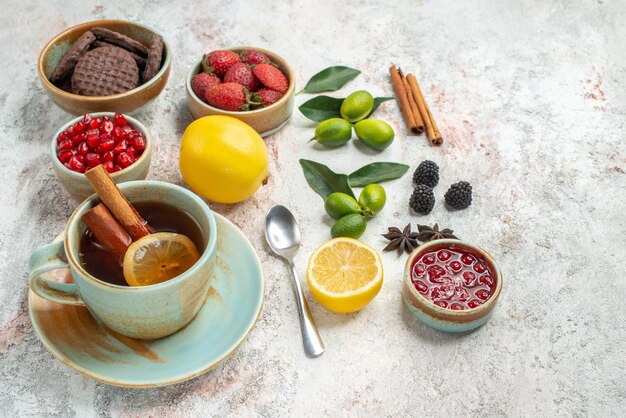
{"x": 323, "y": 180}
{"x": 376, "y": 173}
{"x": 321, "y": 108}
{"x": 330, "y": 79}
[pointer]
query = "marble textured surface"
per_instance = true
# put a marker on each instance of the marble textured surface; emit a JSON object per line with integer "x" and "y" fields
{"x": 530, "y": 97}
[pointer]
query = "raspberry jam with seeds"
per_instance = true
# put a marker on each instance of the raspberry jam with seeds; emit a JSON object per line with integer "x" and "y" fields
{"x": 92, "y": 141}
{"x": 453, "y": 277}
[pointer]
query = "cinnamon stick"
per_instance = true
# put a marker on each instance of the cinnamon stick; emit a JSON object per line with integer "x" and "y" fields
{"x": 117, "y": 203}
{"x": 107, "y": 230}
{"x": 432, "y": 131}
{"x": 419, "y": 121}
{"x": 402, "y": 93}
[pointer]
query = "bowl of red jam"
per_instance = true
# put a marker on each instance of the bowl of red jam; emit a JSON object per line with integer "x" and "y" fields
{"x": 451, "y": 285}
{"x": 119, "y": 142}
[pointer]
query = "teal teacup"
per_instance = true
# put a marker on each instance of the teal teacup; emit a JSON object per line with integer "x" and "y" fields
{"x": 145, "y": 312}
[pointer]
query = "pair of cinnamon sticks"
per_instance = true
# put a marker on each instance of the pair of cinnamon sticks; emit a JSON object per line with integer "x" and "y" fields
{"x": 414, "y": 108}
{"x": 115, "y": 223}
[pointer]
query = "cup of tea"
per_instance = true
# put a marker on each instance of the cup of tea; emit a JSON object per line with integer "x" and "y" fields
{"x": 144, "y": 312}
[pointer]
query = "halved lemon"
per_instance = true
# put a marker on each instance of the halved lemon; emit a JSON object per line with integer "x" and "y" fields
{"x": 344, "y": 274}
{"x": 158, "y": 257}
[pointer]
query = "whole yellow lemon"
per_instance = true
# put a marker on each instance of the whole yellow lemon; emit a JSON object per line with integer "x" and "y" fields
{"x": 223, "y": 159}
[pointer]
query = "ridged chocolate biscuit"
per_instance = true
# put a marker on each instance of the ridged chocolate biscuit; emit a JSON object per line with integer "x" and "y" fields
{"x": 118, "y": 39}
{"x": 141, "y": 61}
{"x": 68, "y": 61}
{"x": 104, "y": 71}
{"x": 155, "y": 55}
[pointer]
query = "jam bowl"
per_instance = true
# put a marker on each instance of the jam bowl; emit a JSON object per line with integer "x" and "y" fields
{"x": 451, "y": 285}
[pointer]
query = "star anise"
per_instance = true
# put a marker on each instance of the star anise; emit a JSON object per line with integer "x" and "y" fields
{"x": 426, "y": 233}
{"x": 404, "y": 240}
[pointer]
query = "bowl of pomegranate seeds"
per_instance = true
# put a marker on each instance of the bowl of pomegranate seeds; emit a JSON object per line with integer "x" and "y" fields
{"x": 119, "y": 142}
{"x": 248, "y": 83}
{"x": 451, "y": 285}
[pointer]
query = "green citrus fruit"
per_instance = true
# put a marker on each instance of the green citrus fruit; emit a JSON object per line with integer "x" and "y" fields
{"x": 333, "y": 132}
{"x": 372, "y": 199}
{"x": 339, "y": 204}
{"x": 357, "y": 106}
{"x": 351, "y": 226}
{"x": 375, "y": 133}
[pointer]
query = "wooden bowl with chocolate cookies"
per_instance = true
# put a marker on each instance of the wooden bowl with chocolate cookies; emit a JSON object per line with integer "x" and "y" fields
{"x": 105, "y": 65}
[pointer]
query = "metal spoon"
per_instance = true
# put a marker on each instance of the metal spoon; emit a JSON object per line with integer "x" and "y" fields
{"x": 283, "y": 236}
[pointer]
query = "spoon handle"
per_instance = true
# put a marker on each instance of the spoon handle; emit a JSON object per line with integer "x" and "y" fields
{"x": 313, "y": 345}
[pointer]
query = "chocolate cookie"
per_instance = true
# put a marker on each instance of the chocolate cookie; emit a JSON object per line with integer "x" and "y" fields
{"x": 68, "y": 61}
{"x": 141, "y": 61}
{"x": 104, "y": 71}
{"x": 155, "y": 55}
{"x": 118, "y": 39}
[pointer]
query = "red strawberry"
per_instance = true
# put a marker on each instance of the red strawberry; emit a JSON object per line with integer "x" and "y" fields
{"x": 268, "y": 96}
{"x": 218, "y": 62}
{"x": 253, "y": 57}
{"x": 241, "y": 73}
{"x": 201, "y": 82}
{"x": 271, "y": 77}
{"x": 228, "y": 96}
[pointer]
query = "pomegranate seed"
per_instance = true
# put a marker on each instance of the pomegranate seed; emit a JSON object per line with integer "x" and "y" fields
{"x": 106, "y": 126}
{"x": 455, "y": 266}
{"x": 457, "y": 306}
{"x": 94, "y": 123}
{"x": 68, "y": 165}
{"x": 474, "y": 303}
{"x": 119, "y": 120}
{"x": 444, "y": 255}
{"x": 120, "y": 147}
{"x": 64, "y": 156}
{"x": 125, "y": 159}
{"x": 93, "y": 141}
{"x": 70, "y": 131}
{"x": 108, "y": 166}
{"x": 76, "y": 164}
{"x": 83, "y": 148}
{"x": 482, "y": 294}
{"x": 140, "y": 143}
{"x": 421, "y": 286}
{"x": 118, "y": 134}
{"x": 63, "y": 136}
{"x": 469, "y": 279}
{"x": 127, "y": 129}
{"x": 461, "y": 293}
{"x": 117, "y": 167}
{"x": 132, "y": 151}
{"x": 487, "y": 280}
{"x": 92, "y": 159}
{"x": 480, "y": 268}
{"x": 106, "y": 145}
{"x": 80, "y": 158}
{"x": 108, "y": 156}
{"x": 429, "y": 259}
{"x": 79, "y": 127}
{"x": 65, "y": 145}
{"x": 87, "y": 118}
{"x": 441, "y": 303}
{"x": 467, "y": 259}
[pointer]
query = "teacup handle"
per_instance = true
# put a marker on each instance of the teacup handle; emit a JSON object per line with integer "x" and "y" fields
{"x": 45, "y": 259}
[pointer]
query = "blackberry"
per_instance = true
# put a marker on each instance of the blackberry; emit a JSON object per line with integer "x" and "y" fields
{"x": 426, "y": 173}
{"x": 459, "y": 195}
{"x": 422, "y": 200}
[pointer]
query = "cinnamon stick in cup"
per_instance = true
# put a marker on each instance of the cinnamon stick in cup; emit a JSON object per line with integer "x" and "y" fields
{"x": 107, "y": 230}
{"x": 432, "y": 131}
{"x": 117, "y": 203}
{"x": 412, "y": 119}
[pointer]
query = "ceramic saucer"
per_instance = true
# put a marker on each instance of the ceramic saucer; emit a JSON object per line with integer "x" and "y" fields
{"x": 232, "y": 308}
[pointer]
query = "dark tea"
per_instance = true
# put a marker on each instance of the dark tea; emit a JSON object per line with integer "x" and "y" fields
{"x": 105, "y": 266}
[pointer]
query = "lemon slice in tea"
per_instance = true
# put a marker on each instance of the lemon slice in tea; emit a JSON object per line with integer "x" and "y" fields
{"x": 158, "y": 257}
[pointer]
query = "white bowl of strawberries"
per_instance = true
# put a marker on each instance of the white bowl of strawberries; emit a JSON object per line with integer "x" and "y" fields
{"x": 251, "y": 84}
